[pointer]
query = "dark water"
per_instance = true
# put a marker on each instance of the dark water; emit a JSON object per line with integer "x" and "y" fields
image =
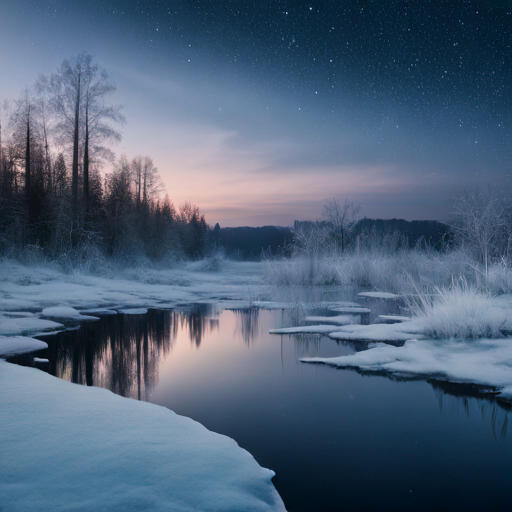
{"x": 337, "y": 440}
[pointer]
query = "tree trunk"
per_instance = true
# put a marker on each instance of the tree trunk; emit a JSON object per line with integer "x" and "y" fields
{"x": 86, "y": 157}
{"x": 27, "y": 159}
{"x": 74, "y": 176}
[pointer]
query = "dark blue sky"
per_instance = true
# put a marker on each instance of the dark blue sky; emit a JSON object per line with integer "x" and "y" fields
{"x": 258, "y": 113}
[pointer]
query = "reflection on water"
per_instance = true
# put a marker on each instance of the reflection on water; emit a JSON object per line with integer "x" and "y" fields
{"x": 379, "y": 443}
{"x": 458, "y": 399}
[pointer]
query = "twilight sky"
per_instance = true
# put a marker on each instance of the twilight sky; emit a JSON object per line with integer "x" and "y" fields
{"x": 259, "y": 111}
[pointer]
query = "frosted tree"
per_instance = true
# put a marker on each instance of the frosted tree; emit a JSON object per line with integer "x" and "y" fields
{"x": 480, "y": 222}
{"x": 342, "y": 217}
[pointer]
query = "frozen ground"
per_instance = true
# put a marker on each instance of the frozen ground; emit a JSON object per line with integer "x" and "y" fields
{"x": 69, "y": 447}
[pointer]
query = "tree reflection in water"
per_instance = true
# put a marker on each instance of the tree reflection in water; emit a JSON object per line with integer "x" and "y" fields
{"x": 122, "y": 353}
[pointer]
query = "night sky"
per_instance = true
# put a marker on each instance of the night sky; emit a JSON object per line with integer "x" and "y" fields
{"x": 258, "y": 113}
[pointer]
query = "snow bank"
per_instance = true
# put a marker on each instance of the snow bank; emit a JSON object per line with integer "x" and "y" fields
{"x": 486, "y": 362}
{"x": 69, "y": 447}
{"x": 13, "y": 345}
{"x": 39, "y": 287}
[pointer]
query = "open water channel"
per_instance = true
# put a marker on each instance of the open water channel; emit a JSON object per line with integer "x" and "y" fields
{"x": 337, "y": 440}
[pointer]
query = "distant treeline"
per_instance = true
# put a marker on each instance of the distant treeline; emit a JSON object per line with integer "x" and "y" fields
{"x": 249, "y": 243}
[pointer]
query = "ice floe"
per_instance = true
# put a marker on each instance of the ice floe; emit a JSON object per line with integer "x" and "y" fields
{"x": 338, "y": 319}
{"x": 70, "y": 447}
{"x": 379, "y": 295}
{"x": 380, "y": 332}
{"x": 486, "y": 362}
{"x": 306, "y": 329}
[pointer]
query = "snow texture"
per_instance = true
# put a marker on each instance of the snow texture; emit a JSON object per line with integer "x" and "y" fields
{"x": 13, "y": 345}
{"x": 306, "y": 329}
{"x": 339, "y": 319}
{"x": 22, "y": 325}
{"x": 350, "y": 310}
{"x": 394, "y": 318}
{"x": 379, "y": 295}
{"x": 486, "y": 362}
{"x": 380, "y": 332}
{"x": 24, "y": 288}
{"x": 133, "y": 311}
{"x": 65, "y": 313}
{"x": 69, "y": 447}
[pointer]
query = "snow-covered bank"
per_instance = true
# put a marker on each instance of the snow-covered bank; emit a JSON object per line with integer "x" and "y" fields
{"x": 486, "y": 362}
{"x": 70, "y": 447}
{"x": 24, "y": 288}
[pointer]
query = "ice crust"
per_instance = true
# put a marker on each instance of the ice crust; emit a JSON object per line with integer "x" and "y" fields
{"x": 69, "y": 447}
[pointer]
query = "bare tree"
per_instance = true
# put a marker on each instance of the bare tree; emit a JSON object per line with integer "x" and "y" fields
{"x": 343, "y": 218}
{"x": 480, "y": 221}
{"x": 99, "y": 115}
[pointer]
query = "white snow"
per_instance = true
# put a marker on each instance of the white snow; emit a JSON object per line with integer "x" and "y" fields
{"x": 22, "y": 325}
{"x": 65, "y": 313}
{"x": 485, "y": 362}
{"x": 395, "y": 318}
{"x": 305, "y": 329}
{"x": 24, "y": 288}
{"x": 133, "y": 311}
{"x": 350, "y": 310}
{"x": 380, "y": 332}
{"x": 13, "y": 345}
{"x": 41, "y": 360}
{"x": 69, "y": 447}
{"x": 339, "y": 319}
{"x": 99, "y": 311}
{"x": 379, "y": 295}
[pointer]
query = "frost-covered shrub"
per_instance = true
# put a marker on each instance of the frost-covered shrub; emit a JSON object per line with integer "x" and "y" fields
{"x": 302, "y": 271}
{"x": 213, "y": 262}
{"x": 459, "y": 312}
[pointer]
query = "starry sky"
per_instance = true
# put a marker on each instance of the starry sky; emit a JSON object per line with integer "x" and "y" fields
{"x": 260, "y": 111}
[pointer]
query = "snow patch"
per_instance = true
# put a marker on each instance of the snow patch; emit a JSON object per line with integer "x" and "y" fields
{"x": 65, "y": 313}
{"x": 21, "y": 325}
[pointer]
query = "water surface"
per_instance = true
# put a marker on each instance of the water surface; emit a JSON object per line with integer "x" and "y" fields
{"x": 338, "y": 440}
